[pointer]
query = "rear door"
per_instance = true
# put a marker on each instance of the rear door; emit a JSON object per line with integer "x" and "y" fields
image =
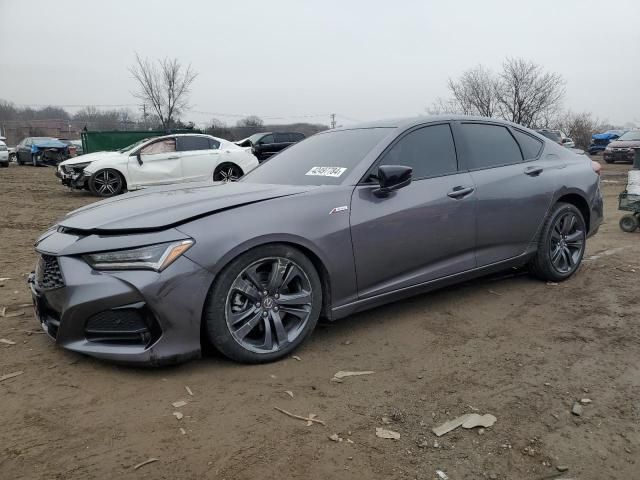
{"x": 422, "y": 232}
{"x": 198, "y": 156}
{"x": 160, "y": 164}
{"x": 513, "y": 195}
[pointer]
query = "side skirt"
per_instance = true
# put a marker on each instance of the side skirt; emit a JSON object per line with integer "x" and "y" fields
{"x": 388, "y": 297}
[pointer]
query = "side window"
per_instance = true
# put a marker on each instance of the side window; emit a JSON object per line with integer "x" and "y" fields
{"x": 530, "y": 146}
{"x": 430, "y": 151}
{"x": 166, "y": 145}
{"x": 489, "y": 146}
{"x": 267, "y": 139}
{"x": 297, "y": 137}
{"x": 282, "y": 138}
{"x": 214, "y": 144}
{"x": 27, "y": 142}
{"x": 189, "y": 144}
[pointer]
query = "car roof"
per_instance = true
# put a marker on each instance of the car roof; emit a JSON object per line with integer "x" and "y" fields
{"x": 414, "y": 121}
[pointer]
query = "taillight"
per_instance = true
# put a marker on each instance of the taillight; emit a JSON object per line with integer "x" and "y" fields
{"x": 596, "y": 167}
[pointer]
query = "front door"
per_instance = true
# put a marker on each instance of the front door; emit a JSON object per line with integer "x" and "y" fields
{"x": 514, "y": 187}
{"x": 159, "y": 164}
{"x": 423, "y": 231}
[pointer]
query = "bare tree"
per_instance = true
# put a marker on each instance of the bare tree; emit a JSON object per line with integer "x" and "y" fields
{"x": 526, "y": 93}
{"x": 250, "y": 121}
{"x": 164, "y": 85}
{"x": 475, "y": 92}
{"x": 442, "y": 106}
{"x": 578, "y": 126}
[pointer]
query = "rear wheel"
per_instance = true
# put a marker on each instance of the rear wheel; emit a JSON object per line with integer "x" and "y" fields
{"x": 561, "y": 245}
{"x": 227, "y": 172}
{"x": 106, "y": 183}
{"x": 628, "y": 223}
{"x": 264, "y": 304}
{"x": 609, "y": 160}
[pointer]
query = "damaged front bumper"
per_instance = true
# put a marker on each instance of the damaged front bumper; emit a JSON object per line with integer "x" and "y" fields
{"x": 73, "y": 177}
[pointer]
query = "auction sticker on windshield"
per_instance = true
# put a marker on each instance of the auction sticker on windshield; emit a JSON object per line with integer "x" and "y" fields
{"x": 327, "y": 171}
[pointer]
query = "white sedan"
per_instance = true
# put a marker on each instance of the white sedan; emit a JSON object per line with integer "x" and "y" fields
{"x": 157, "y": 161}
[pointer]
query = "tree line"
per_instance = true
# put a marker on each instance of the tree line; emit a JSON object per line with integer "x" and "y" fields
{"x": 521, "y": 92}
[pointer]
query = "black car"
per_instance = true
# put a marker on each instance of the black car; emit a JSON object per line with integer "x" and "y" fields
{"x": 265, "y": 144}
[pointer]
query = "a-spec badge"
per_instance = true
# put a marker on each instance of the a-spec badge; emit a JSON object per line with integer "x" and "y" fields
{"x": 338, "y": 209}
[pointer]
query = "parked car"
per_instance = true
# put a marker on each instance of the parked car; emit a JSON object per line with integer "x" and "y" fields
{"x": 73, "y": 146}
{"x": 4, "y": 155}
{"x": 558, "y": 137}
{"x": 345, "y": 220}
{"x": 157, "y": 161}
{"x": 266, "y": 144}
{"x": 41, "y": 151}
{"x": 599, "y": 141}
{"x": 623, "y": 148}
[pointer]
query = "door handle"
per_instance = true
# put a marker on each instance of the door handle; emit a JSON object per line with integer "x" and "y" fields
{"x": 533, "y": 171}
{"x": 173, "y": 158}
{"x": 460, "y": 192}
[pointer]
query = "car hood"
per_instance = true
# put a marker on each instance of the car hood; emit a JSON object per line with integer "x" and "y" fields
{"x": 92, "y": 157}
{"x": 625, "y": 144}
{"x": 160, "y": 208}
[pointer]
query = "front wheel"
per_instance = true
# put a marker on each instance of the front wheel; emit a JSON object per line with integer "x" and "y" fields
{"x": 629, "y": 223}
{"x": 106, "y": 183}
{"x": 227, "y": 172}
{"x": 264, "y": 304}
{"x": 561, "y": 245}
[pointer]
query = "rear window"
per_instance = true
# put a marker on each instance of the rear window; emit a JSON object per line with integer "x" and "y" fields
{"x": 297, "y": 137}
{"x": 188, "y": 144}
{"x": 282, "y": 138}
{"x": 489, "y": 146}
{"x": 530, "y": 146}
{"x": 323, "y": 159}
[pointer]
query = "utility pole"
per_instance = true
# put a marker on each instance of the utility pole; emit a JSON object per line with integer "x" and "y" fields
{"x": 333, "y": 120}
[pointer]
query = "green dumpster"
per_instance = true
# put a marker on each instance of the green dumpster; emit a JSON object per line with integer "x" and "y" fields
{"x": 117, "y": 139}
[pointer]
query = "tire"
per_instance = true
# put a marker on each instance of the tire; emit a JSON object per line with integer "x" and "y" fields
{"x": 34, "y": 160}
{"x": 265, "y": 328}
{"x": 609, "y": 161}
{"x": 106, "y": 183}
{"x": 4, "y": 165}
{"x": 628, "y": 223}
{"x": 561, "y": 246}
{"x": 227, "y": 172}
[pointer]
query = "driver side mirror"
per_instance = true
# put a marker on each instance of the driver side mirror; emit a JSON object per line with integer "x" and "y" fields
{"x": 391, "y": 178}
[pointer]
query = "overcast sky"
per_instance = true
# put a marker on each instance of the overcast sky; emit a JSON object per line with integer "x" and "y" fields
{"x": 363, "y": 60}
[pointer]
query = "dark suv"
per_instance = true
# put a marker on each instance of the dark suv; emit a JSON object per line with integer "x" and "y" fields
{"x": 265, "y": 144}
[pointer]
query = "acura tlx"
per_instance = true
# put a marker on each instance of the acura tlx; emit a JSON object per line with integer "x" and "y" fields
{"x": 345, "y": 220}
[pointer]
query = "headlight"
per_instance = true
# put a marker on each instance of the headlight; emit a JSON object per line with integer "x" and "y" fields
{"x": 152, "y": 257}
{"x": 608, "y": 149}
{"x": 75, "y": 167}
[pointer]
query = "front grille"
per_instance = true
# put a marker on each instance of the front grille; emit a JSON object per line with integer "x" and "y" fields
{"x": 48, "y": 273}
{"x": 131, "y": 326}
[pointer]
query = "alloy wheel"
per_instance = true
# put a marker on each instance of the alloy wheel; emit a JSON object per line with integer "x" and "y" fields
{"x": 567, "y": 242}
{"x": 107, "y": 183}
{"x": 226, "y": 174}
{"x": 269, "y": 305}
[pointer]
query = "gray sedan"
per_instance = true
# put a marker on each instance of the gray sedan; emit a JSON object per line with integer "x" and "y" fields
{"x": 343, "y": 221}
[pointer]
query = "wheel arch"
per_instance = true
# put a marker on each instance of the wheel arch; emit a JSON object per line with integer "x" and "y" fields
{"x": 117, "y": 169}
{"x": 230, "y": 164}
{"x": 306, "y": 247}
{"x": 580, "y": 203}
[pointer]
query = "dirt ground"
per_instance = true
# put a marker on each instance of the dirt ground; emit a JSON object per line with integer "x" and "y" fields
{"x": 508, "y": 345}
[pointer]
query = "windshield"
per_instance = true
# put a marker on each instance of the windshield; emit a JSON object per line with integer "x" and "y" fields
{"x": 635, "y": 135}
{"x": 323, "y": 159}
{"x": 255, "y": 137}
{"x": 133, "y": 145}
